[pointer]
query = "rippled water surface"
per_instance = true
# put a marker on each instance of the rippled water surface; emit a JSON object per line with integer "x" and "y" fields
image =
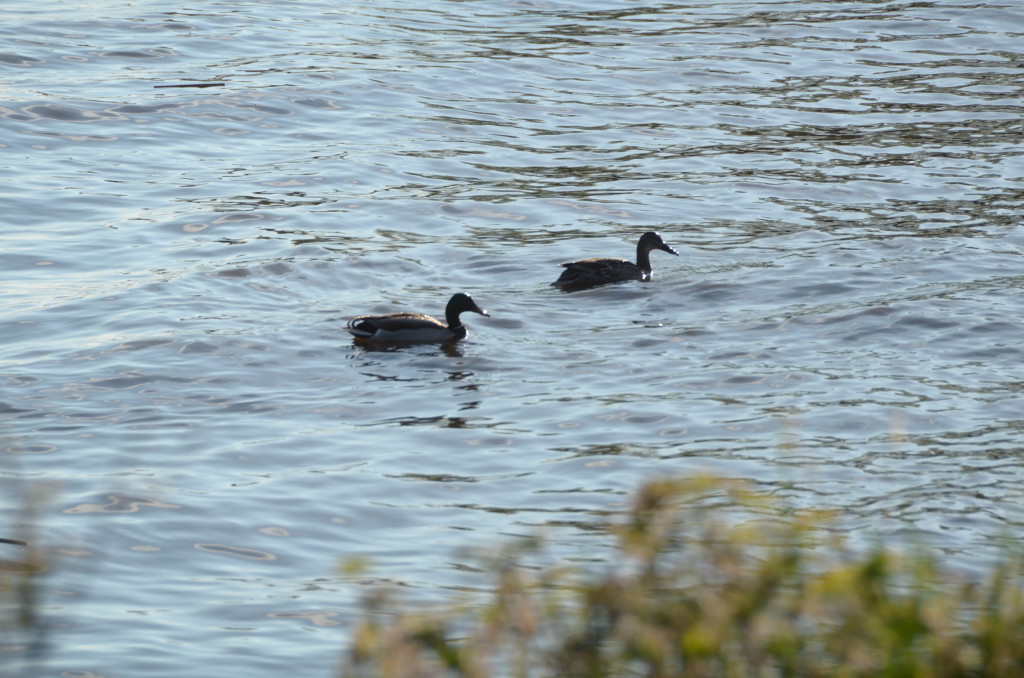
{"x": 843, "y": 182}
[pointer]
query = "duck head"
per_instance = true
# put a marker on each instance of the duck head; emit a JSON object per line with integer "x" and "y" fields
{"x": 651, "y": 240}
{"x": 458, "y": 304}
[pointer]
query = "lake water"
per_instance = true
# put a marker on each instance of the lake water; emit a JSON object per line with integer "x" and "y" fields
{"x": 844, "y": 183}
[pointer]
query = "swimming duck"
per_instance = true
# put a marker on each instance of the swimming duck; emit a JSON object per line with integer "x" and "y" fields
{"x": 415, "y": 327}
{"x": 592, "y": 272}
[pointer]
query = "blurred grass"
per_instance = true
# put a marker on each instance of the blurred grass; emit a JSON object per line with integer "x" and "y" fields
{"x": 23, "y": 565}
{"x": 714, "y": 581}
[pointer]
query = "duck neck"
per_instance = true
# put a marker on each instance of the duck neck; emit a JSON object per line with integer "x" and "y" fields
{"x": 643, "y": 259}
{"x": 451, "y": 316}
{"x": 455, "y": 325}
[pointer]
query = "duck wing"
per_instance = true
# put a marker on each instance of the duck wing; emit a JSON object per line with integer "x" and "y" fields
{"x": 394, "y": 322}
{"x": 597, "y": 264}
{"x": 598, "y": 271}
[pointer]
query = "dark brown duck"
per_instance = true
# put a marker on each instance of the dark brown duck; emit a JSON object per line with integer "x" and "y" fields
{"x": 598, "y": 271}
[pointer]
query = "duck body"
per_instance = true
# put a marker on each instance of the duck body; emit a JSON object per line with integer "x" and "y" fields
{"x": 599, "y": 271}
{"x": 416, "y": 328}
{"x": 586, "y": 273}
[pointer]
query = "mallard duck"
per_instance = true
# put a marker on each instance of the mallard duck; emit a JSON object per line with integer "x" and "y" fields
{"x": 593, "y": 272}
{"x": 416, "y": 327}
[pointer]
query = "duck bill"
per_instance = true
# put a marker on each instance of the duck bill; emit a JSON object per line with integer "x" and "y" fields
{"x": 666, "y": 248}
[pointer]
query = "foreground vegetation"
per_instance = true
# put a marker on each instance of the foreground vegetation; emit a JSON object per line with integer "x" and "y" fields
{"x": 712, "y": 581}
{"x": 23, "y": 565}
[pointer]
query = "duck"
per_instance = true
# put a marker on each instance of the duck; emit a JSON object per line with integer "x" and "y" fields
{"x": 416, "y": 328}
{"x": 598, "y": 271}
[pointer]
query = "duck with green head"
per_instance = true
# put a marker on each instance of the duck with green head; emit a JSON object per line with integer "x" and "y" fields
{"x": 416, "y": 328}
{"x": 586, "y": 273}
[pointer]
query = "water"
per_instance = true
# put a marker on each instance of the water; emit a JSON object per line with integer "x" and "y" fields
{"x": 843, "y": 181}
